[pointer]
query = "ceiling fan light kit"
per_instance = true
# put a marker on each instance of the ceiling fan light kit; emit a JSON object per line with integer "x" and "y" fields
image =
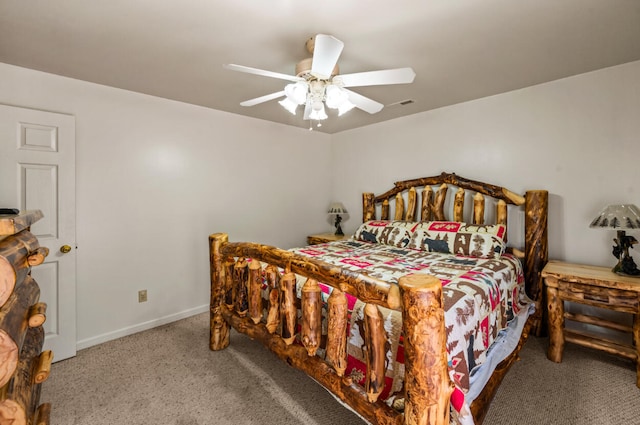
{"x": 317, "y": 82}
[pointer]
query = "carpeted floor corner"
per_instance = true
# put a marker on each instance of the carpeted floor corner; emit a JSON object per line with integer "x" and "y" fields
{"x": 168, "y": 375}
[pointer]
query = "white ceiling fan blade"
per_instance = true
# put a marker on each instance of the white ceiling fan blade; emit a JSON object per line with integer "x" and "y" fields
{"x": 256, "y": 71}
{"x": 262, "y": 99}
{"x": 364, "y": 103}
{"x": 326, "y": 51}
{"x": 378, "y": 78}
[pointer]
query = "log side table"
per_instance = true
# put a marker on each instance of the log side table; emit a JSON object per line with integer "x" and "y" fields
{"x": 598, "y": 287}
{"x": 324, "y": 238}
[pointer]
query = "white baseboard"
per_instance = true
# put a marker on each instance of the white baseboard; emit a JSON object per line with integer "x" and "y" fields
{"x": 90, "y": 342}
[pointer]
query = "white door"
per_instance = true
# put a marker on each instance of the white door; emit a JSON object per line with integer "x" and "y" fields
{"x": 37, "y": 171}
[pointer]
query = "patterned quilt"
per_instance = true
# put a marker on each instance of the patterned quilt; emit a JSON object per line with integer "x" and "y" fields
{"x": 481, "y": 295}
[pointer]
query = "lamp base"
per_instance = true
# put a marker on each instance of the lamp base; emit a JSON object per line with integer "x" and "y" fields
{"x": 338, "y": 227}
{"x": 626, "y": 266}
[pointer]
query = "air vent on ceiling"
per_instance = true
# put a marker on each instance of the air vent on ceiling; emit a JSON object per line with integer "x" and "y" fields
{"x": 402, "y": 102}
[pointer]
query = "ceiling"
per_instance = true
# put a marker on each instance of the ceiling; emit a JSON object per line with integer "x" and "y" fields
{"x": 460, "y": 50}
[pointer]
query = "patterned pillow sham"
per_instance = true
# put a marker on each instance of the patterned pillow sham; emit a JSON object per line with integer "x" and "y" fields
{"x": 395, "y": 233}
{"x": 482, "y": 241}
{"x": 372, "y": 231}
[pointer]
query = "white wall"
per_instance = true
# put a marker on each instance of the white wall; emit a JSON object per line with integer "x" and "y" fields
{"x": 578, "y": 138}
{"x": 154, "y": 179}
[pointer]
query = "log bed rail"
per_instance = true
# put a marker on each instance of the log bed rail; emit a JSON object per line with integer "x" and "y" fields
{"x": 236, "y": 300}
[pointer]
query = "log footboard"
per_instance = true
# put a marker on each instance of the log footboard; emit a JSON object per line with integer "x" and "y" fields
{"x": 429, "y": 388}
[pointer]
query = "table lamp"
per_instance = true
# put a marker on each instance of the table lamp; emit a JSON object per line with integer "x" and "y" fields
{"x": 621, "y": 217}
{"x": 337, "y": 208}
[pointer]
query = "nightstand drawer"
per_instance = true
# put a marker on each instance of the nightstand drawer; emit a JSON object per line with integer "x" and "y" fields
{"x": 627, "y": 301}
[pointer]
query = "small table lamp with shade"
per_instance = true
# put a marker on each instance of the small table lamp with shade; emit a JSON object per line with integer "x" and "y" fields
{"x": 621, "y": 217}
{"x": 336, "y": 208}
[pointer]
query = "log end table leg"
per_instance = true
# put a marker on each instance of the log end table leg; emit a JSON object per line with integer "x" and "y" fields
{"x": 636, "y": 343}
{"x": 555, "y": 309}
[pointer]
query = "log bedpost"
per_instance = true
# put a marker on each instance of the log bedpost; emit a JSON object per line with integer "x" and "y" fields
{"x": 273, "y": 316}
{"x": 311, "y": 329}
{"x": 384, "y": 210}
{"x": 399, "y": 212}
{"x": 337, "y": 331}
{"x": 501, "y": 215}
{"x": 228, "y": 286}
{"x": 288, "y": 307}
{"x": 375, "y": 343}
{"x": 427, "y": 204}
{"x": 219, "y": 328}
{"x": 478, "y": 208}
{"x": 411, "y": 205}
{"x": 458, "y": 205}
{"x": 255, "y": 291}
{"x": 438, "y": 206}
{"x": 427, "y": 384}
{"x": 368, "y": 207}
{"x": 241, "y": 284}
{"x": 535, "y": 245}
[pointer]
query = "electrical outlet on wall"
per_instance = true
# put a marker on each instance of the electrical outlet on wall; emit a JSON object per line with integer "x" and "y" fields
{"x": 142, "y": 296}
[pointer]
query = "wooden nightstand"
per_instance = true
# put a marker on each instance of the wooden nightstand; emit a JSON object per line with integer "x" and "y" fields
{"x": 323, "y": 238}
{"x": 598, "y": 287}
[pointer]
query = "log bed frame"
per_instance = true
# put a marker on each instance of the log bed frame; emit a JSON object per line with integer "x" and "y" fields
{"x": 236, "y": 301}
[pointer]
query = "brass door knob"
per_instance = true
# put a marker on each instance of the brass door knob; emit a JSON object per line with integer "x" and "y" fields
{"x": 65, "y": 248}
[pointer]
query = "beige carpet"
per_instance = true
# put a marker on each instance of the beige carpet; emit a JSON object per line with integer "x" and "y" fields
{"x": 168, "y": 376}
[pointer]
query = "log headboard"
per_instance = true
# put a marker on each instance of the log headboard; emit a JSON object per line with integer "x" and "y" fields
{"x": 433, "y": 200}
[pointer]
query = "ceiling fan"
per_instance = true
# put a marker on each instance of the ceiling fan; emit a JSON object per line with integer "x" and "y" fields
{"x": 318, "y": 83}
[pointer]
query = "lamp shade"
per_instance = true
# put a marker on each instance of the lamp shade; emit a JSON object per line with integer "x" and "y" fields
{"x": 317, "y": 112}
{"x": 289, "y": 105}
{"x": 618, "y": 217}
{"x": 335, "y": 96}
{"x": 297, "y": 92}
{"x": 337, "y": 208}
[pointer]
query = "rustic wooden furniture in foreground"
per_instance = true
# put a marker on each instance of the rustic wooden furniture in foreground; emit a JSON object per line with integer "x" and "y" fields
{"x": 597, "y": 287}
{"x": 323, "y": 238}
{"x": 418, "y": 297}
{"x": 23, "y": 365}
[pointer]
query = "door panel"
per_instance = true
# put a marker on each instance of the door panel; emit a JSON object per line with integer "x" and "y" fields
{"x": 37, "y": 171}
{"x": 38, "y": 185}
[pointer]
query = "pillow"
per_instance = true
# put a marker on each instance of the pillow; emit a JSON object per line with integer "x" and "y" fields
{"x": 394, "y": 233}
{"x": 471, "y": 240}
{"x": 371, "y": 231}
